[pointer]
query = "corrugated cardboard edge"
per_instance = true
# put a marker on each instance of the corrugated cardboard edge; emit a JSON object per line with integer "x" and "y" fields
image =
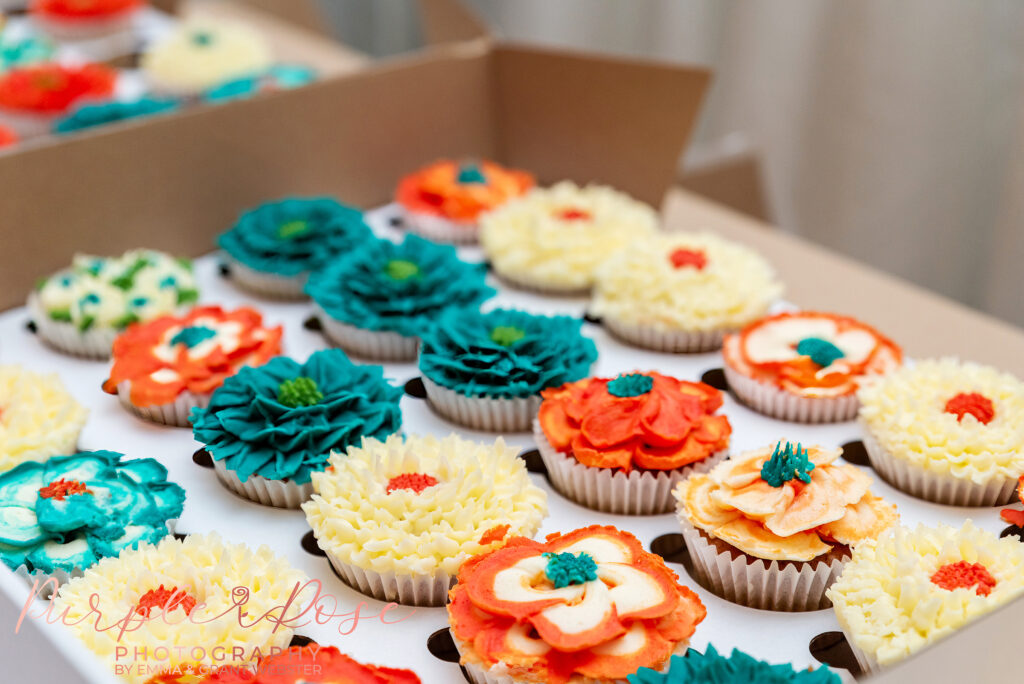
{"x": 450, "y": 21}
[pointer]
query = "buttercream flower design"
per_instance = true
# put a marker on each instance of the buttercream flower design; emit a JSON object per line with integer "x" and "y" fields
{"x": 460, "y": 191}
{"x": 38, "y": 417}
{"x": 635, "y": 420}
{"x": 588, "y": 604}
{"x": 297, "y": 665}
{"x": 282, "y": 420}
{"x": 101, "y": 114}
{"x": 711, "y": 668}
{"x": 64, "y": 514}
{"x": 52, "y": 89}
{"x": 208, "y": 603}
{"x": 194, "y": 353}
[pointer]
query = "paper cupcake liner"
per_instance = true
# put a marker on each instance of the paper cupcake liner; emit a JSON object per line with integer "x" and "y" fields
{"x": 28, "y": 124}
{"x": 95, "y": 343}
{"x": 406, "y": 589}
{"x": 525, "y": 283}
{"x": 267, "y": 284}
{"x": 440, "y": 229}
{"x": 174, "y": 414}
{"x": 673, "y": 341}
{"x": 612, "y": 491}
{"x": 760, "y": 583}
{"x": 778, "y": 403}
{"x": 377, "y": 345}
{"x": 868, "y": 664}
{"x": 493, "y": 414}
{"x": 278, "y": 493}
{"x": 936, "y": 487}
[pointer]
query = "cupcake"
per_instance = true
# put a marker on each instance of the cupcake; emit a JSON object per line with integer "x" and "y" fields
{"x": 84, "y": 19}
{"x": 444, "y": 201}
{"x": 296, "y": 664}
{"x": 276, "y": 78}
{"x": 1011, "y": 515}
{"x": 554, "y": 239}
{"x": 105, "y": 113}
{"x": 909, "y": 588}
{"x": 201, "y": 54}
{"x": 269, "y": 428}
{"x": 60, "y": 517}
{"x": 946, "y": 431}
{"x": 771, "y": 528}
{"x": 165, "y": 368}
{"x": 33, "y": 97}
{"x": 588, "y": 606}
{"x": 376, "y": 301}
{"x": 397, "y": 518}
{"x": 712, "y": 668}
{"x": 682, "y": 292}
{"x": 18, "y": 50}
{"x": 38, "y": 417}
{"x": 806, "y": 366}
{"x": 81, "y": 309}
{"x": 273, "y": 248}
{"x": 187, "y": 602}
{"x": 487, "y": 370}
{"x": 621, "y": 444}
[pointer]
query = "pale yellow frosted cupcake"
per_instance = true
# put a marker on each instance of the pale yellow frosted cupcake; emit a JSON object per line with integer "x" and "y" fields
{"x": 38, "y": 418}
{"x": 946, "y": 431}
{"x": 909, "y": 588}
{"x": 553, "y": 239}
{"x": 397, "y": 518}
{"x": 189, "y": 597}
{"x": 683, "y": 291}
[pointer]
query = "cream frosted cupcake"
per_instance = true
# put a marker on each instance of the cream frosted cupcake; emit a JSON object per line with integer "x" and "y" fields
{"x": 554, "y": 239}
{"x": 682, "y": 292}
{"x": 806, "y": 366}
{"x": 909, "y": 588}
{"x": 397, "y": 518}
{"x": 38, "y": 417}
{"x": 81, "y": 309}
{"x": 947, "y": 431}
{"x": 187, "y": 602}
{"x": 771, "y": 528}
{"x": 203, "y": 53}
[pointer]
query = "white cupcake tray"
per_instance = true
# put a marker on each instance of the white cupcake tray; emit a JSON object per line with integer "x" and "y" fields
{"x": 777, "y": 637}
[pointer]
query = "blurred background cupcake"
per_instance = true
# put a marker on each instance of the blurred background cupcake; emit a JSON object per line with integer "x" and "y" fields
{"x": 33, "y": 98}
{"x": 84, "y": 19}
{"x": 39, "y": 419}
{"x": 18, "y": 49}
{"x": 90, "y": 116}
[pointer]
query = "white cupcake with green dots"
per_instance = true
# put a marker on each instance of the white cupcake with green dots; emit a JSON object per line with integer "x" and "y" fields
{"x": 81, "y": 309}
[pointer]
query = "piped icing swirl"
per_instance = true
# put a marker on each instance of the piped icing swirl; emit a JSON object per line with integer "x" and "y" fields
{"x": 623, "y": 423}
{"x": 738, "y": 668}
{"x": 911, "y": 587}
{"x": 557, "y": 237}
{"x": 811, "y": 354}
{"x": 948, "y": 417}
{"x": 504, "y": 352}
{"x": 103, "y": 113}
{"x": 460, "y": 191}
{"x": 692, "y": 282}
{"x": 195, "y": 353}
{"x": 72, "y": 510}
{"x": 369, "y": 512}
{"x": 38, "y": 417}
{"x": 399, "y": 288}
{"x": 507, "y": 612}
{"x": 52, "y": 89}
{"x": 281, "y": 420}
{"x": 225, "y": 582}
{"x": 295, "y": 665}
{"x": 784, "y": 502}
{"x": 295, "y": 235}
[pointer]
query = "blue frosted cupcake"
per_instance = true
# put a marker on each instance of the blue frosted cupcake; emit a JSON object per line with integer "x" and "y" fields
{"x": 104, "y": 113}
{"x": 273, "y": 248}
{"x": 61, "y": 516}
{"x": 377, "y": 300}
{"x": 269, "y": 428}
{"x": 486, "y": 370}
{"x": 738, "y": 668}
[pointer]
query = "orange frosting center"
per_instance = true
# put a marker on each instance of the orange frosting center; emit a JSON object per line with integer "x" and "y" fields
{"x": 573, "y": 214}
{"x": 417, "y": 482}
{"x": 964, "y": 575}
{"x": 688, "y": 257}
{"x": 168, "y": 599}
{"x": 59, "y": 489}
{"x": 978, "y": 405}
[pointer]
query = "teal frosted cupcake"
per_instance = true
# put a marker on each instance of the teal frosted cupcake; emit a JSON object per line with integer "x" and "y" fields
{"x": 486, "y": 370}
{"x": 273, "y": 248}
{"x": 738, "y": 668}
{"x": 277, "y": 77}
{"x": 268, "y": 429}
{"x": 61, "y": 516}
{"x": 104, "y": 113}
{"x": 377, "y": 300}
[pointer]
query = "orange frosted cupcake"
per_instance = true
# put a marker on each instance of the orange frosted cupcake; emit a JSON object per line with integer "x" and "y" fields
{"x": 84, "y": 19}
{"x": 806, "y": 366}
{"x": 442, "y": 201}
{"x": 620, "y": 445}
{"x": 165, "y": 368}
{"x": 301, "y": 665}
{"x": 588, "y": 606}
{"x": 32, "y": 98}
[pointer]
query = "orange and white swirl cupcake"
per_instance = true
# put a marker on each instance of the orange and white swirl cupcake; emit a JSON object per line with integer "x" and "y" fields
{"x": 806, "y": 366}
{"x": 166, "y": 367}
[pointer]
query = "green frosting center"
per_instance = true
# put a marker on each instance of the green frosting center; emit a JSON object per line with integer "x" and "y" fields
{"x": 507, "y": 335}
{"x": 401, "y": 269}
{"x": 788, "y": 463}
{"x": 292, "y": 229}
{"x": 192, "y": 335}
{"x": 564, "y": 569}
{"x": 301, "y": 391}
{"x": 630, "y": 385}
{"x": 470, "y": 173}
{"x": 822, "y": 352}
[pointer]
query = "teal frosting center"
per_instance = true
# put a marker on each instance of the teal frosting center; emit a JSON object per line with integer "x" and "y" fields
{"x": 507, "y": 335}
{"x": 401, "y": 269}
{"x": 789, "y": 463}
{"x": 630, "y": 385}
{"x": 301, "y": 391}
{"x": 192, "y": 335}
{"x": 470, "y": 173}
{"x": 822, "y": 352}
{"x": 564, "y": 569}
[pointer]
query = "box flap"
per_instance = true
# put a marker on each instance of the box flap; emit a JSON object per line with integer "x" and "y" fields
{"x": 450, "y": 21}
